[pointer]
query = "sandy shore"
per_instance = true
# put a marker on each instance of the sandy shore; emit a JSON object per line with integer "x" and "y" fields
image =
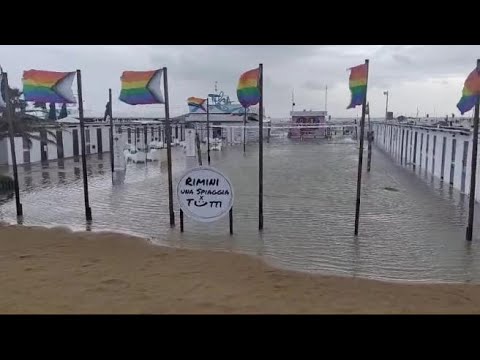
{"x": 57, "y": 271}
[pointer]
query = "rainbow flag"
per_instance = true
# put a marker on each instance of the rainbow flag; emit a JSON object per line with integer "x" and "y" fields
{"x": 248, "y": 91}
{"x": 358, "y": 84}
{"x": 48, "y": 86}
{"x": 471, "y": 92}
{"x": 141, "y": 87}
{"x": 195, "y": 104}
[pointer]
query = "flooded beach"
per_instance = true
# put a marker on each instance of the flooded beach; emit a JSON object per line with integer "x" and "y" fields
{"x": 411, "y": 228}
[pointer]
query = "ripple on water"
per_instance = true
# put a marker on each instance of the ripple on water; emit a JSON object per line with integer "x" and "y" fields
{"x": 410, "y": 228}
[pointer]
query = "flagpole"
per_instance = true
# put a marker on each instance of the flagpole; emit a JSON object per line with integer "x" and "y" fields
{"x": 244, "y": 129}
{"x": 110, "y": 113}
{"x": 369, "y": 140}
{"x": 473, "y": 173}
{"x": 169, "y": 149}
{"x": 8, "y": 114}
{"x": 88, "y": 210}
{"x": 360, "y": 156}
{"x": 260, "y": 152}
{"x": 208, "y": 134}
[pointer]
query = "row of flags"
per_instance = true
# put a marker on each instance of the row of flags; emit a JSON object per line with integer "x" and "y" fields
{"x": 138, "y": 87}
{"x": 359, "y": 78}
{"x": 248, "y": 92}
{"x": 144, "y": 87}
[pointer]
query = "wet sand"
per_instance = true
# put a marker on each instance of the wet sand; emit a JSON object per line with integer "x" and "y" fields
{"x": 58, "y": 271}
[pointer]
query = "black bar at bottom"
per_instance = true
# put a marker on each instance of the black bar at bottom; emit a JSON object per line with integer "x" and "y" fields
{"x": 231, "y": 221}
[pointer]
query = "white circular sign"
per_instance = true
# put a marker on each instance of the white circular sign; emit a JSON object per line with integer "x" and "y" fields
{"x": 205, "y": 194}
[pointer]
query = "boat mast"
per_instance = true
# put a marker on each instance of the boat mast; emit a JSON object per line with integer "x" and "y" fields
{"x": 326, "y": 93}
{"x": 293, "y": 99}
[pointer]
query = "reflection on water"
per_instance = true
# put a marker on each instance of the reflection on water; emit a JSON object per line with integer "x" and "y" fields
{"x": 414, "y": 233}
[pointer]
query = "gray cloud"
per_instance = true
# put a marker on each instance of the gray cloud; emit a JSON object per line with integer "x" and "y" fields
{"x": 430, "y": 77}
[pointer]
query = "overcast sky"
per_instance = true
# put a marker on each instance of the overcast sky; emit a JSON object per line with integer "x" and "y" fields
{"x": 429, "y": 77}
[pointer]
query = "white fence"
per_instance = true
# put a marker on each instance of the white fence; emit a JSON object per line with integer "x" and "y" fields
{"x": 443, "y": 153}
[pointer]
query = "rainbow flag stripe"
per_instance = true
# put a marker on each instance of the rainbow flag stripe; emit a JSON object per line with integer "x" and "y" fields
{"x": 48, "y": 86}
{"x": 471, "y": 92}
{"x": 141, "y": 87}
{"x": 248, "y": 91}
{"x": 358, "y": 85}
{"x": 196, "y": 104}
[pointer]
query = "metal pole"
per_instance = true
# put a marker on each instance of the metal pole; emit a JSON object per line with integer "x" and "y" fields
{"x": 110, "y": 112}
{"x": 168, "y": 135}
{"x": 360, "y": 158}
{"x": 401, "y": 146}
{"x": 473, "y": 174}
{"x": 386, "y": 106}
{"x": 181, "y": 220}
{"x": 369, "y": 139}
{"x": 208, "y": 134}
{"x": 260, "y": 153}
{"x": 199, "y": 153}
{"x": 244, "y": 128}
{"x": 8, "y": 114}
{"x": 88, "y": 211}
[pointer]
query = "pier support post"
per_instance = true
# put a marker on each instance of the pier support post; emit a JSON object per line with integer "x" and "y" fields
{"x": 8, "y": 114}
{"x": 88, "y": 210}
{"x": 360, "y": 161}
{"x": 199, "y": 152}
{"x": 260, "y": 152}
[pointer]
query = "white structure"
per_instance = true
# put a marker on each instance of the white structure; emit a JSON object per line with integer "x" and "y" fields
{"x": 205, "y": 194}
{"x": 226, "y": 120}
{"x": 442, "y": 152}
{"x": 97, "y": 140}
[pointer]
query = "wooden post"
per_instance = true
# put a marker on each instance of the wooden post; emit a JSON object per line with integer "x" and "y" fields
{"x": 208, "y": 134}
{"x": 88, "y": 211}
{"x": 401, "y": 147}
{"x": 11, "y": 134}
{"x": 199, "y": 153}
{"x": 360, "y": 158}
{"x": 110, "y": 113}
{"x": 268, "y": 131}
{"x": 415, "y": 152}
{"x": 145, "y": 142}
{"x": 244, "y": 128}
{"x": 168, "y": 135}
{"x": 473, "y": 173}
{"x": 369, "y": 139}
{"x": 181, "y": 220}
{"x": 260, "y": 153}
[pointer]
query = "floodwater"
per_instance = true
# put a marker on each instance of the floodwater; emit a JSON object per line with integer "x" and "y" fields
{"x": 412, "y": 228}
